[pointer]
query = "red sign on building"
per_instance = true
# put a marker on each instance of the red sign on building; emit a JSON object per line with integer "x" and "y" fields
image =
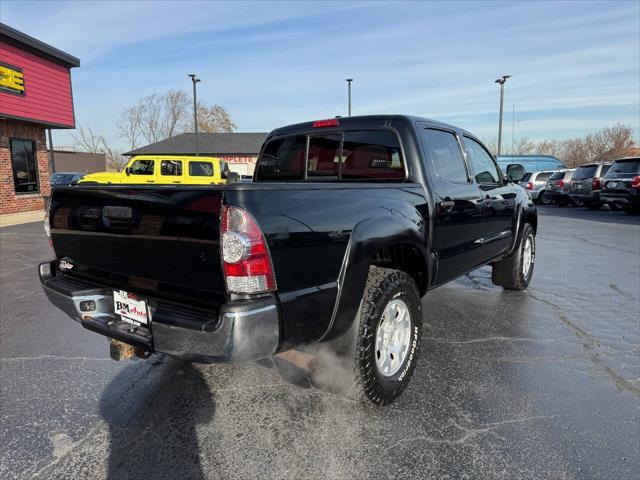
{"x": 35, "y": 95}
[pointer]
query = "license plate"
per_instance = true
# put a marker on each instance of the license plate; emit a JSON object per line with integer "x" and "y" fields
{"x": 131, "y": 308}
{"x": 613, "y": 185}
{"x": 579, "y": 186}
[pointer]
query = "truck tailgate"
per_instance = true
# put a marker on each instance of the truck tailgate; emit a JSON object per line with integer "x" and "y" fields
{"x": 162, "y": 241}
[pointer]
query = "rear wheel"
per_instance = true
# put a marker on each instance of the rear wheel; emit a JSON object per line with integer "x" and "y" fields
{"x": 543, "y": 199}
{"x": 515, "y": 271}
{"x": 388, "y": 338}
{"x": 595, "y": 205}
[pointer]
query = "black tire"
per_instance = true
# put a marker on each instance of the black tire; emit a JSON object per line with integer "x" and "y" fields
{"x": 509, "y": 272}
{"x": 543, "y": 199}
{"x": 594, "y": 206}
{"x": 614, "y": 207}
{"x": 383, "y": 286}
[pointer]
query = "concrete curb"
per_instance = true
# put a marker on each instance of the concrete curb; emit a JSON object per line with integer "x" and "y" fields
{"x": 20, "y": 218}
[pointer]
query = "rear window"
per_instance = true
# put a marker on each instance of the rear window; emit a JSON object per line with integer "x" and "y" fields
{"x": 372, "y": 155}
{"x": 526, "y": 177}
{"x": 283, "y": 159}
{"x": 357, "y": 155}
{"x": 585, "y": 172}
{"x": 543, "y": 177}
{"x": 323, "y": 159}
{"x": 557, "y": 176}
{"x": 201, "y": 169}
{"x": 626, "y": 166}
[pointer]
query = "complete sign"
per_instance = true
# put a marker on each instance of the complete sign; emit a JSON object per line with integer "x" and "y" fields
{"x": 11, "y": 79}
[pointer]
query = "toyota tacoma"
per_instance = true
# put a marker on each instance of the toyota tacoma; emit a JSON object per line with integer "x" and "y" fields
{"x": 348, "y": 223}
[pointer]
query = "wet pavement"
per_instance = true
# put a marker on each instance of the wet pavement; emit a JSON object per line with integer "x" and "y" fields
{"x": 537, "y": 384}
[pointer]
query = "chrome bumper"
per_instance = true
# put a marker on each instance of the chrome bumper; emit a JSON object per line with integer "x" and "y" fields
{"x": 242, "y": 331}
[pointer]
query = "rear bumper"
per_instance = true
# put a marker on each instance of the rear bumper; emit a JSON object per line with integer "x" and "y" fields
{"x": 240, "y": 331}
{"x": 553, "y": 195}
{"x": 622, "y": 199}
{"x": 585, "y": 197}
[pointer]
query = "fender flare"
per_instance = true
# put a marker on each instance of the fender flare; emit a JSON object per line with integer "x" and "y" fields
{"x": 366, "y": 239}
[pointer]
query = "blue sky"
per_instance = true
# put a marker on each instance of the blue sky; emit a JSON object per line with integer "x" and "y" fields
{"x": 575, "y": 66}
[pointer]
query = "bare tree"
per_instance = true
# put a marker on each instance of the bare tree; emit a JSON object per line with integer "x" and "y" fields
{"x": 130, "y": 126}
{"x": 93, "y": 142}
{"x": 214, "y": 119}
{"x": 176, "y": 112}
{"x": 523, "y": 146}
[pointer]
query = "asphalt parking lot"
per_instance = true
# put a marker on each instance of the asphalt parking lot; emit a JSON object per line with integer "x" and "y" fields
{"x": 537, "y": 384}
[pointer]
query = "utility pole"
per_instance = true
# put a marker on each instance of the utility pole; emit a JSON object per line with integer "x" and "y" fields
{"x": 195, "y": 80}
{"x": 501, "y": 81}
{"x": 349, "y": 80}
{"x": 52, "y": 160}
{"x": 513, "y": 128}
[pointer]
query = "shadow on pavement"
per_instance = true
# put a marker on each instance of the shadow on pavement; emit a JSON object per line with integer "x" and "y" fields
{"x": 152, "y": 409}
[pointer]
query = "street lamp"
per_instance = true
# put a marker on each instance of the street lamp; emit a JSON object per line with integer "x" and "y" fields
{"x": 195, "y": 80}
{"x": 501, "y": 81}
{"x": 349, "y": 80}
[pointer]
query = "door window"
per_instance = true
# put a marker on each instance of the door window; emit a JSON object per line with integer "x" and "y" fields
{"x": 484, "y": 168}
{"x": 446, "y": 155}
{"x": 141, "y": 167}
{"x": 171, "y": 168}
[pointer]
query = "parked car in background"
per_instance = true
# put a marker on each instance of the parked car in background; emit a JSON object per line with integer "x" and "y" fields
{"x": 559, "y": 186}
{"x": 535, "y": 183}
{"x": 586, "y": 184}
{"x": 65, "y": 178}
{"x": 531, "y": 163}
{"x": 167, "y": 169}
{"x": 622, "y": 185}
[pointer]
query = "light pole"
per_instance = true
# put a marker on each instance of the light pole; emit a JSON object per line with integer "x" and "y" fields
{"x": 349, "y": 80}
{"x": 195, "y": 80}
{"x": 501, "y": 81}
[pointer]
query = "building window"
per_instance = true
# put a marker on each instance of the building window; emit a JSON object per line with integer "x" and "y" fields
{"x": 25, "y": 166}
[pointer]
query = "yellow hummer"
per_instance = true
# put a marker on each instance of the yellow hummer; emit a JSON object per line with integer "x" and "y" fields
{"x": 166, "y": 169}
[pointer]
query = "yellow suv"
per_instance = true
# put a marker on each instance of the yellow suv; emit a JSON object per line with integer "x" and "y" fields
{"x": 166, "y": 169}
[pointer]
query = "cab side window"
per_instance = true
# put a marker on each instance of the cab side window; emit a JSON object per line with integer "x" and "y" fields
{"x": 446, "y": 155}
{"x": 484, "y": 168}
{"x": 171, "y": 168}
{"x": 142, "y": 167}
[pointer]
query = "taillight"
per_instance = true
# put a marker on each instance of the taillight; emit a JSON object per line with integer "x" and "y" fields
{"x": 561, "y": 183}
{"x": 529, "y": 185}
{"x": 332, "y": 122}
{"x": 245, "y": 256}
{"x": 595, "y": 183}
{"x": 635, "y": 182}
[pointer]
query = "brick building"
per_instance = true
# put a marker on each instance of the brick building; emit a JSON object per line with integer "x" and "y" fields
{"x": 35, "y": 95}
{"x": 239, "y": 150}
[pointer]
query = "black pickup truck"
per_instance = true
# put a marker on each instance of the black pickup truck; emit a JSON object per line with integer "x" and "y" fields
{"x": 347, "y": 224}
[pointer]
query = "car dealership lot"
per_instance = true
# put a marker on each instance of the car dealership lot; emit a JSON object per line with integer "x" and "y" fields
{"x": 543, "y": 383}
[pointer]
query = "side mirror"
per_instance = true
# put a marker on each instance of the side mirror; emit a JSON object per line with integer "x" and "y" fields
{"x": 127, "y": 171}
{"x": 515, "y": 172}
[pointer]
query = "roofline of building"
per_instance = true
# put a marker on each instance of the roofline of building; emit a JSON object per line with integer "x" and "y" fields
{"x": 35, "y": 44}
{"x": 44, "y": 123}
{"x": 187, "y": 154}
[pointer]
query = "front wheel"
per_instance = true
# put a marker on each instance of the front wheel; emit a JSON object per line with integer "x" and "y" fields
{"x": 388, "y": 338}
{"x": 515, "y": 271}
